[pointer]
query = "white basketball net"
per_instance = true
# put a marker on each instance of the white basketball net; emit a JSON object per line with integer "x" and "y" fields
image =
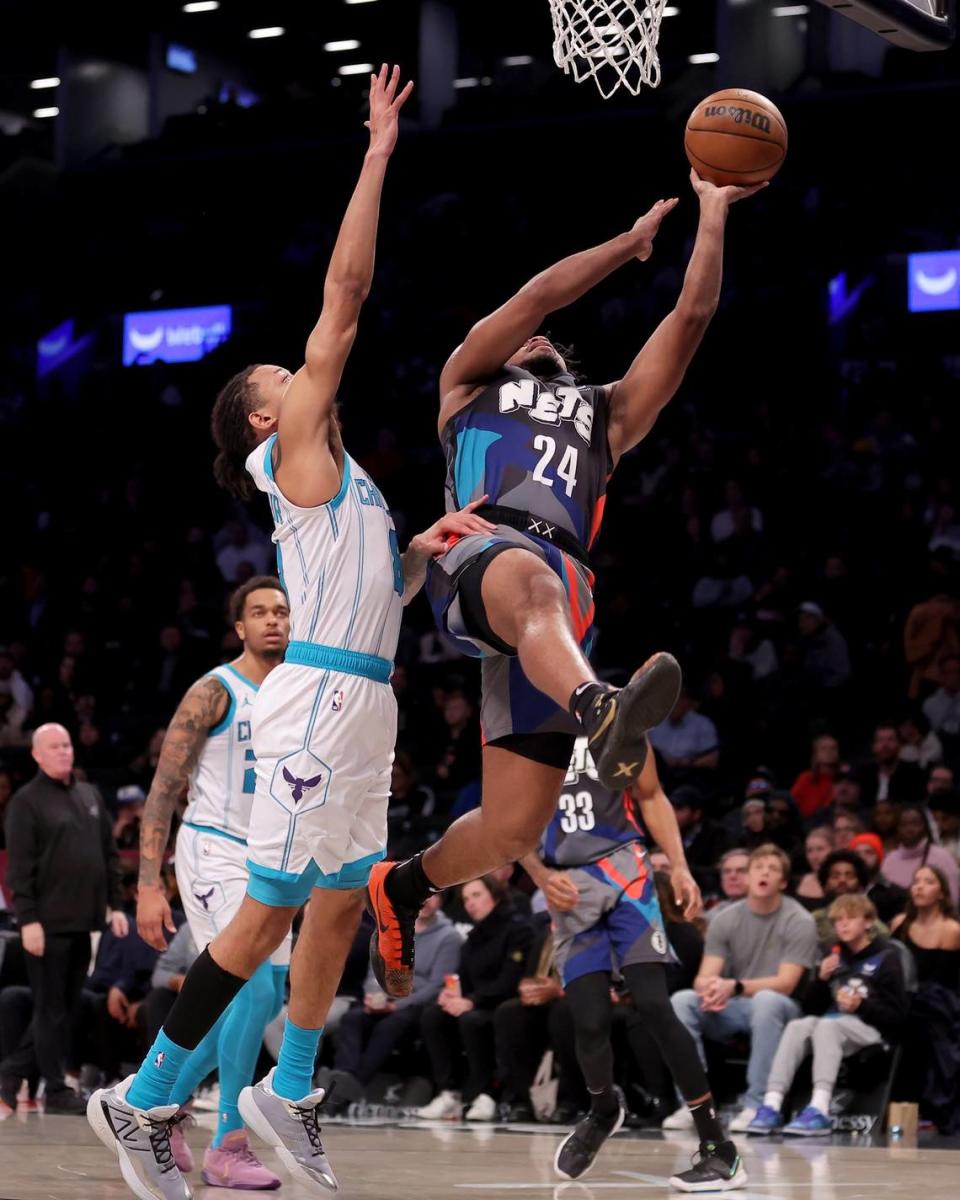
{"x": 614, "y": 41}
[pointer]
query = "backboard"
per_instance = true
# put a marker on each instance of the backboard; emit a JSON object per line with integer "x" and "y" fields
{"x": 914, "y": 24}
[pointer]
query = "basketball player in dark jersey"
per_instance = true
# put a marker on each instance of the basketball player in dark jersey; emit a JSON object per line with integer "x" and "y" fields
{"x": 598, "y": 882}
{"x": 517, "y": 429}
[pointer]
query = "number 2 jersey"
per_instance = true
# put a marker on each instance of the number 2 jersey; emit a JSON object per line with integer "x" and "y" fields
{"x": 536, "y": 446}
{"x": 590, "y": 822}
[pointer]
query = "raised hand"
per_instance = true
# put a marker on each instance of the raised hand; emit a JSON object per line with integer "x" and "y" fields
{"x": 710, "y": 193}
{"x": 433, "y": 541}
{"x": 385, "y": 105}
{"x": 645, "y": 229}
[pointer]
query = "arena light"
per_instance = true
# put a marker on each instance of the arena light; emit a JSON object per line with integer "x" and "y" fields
{"x": 51, "y": 81}
{"x": 175, "y": 334}
{"x": 359, "y": 1}
{"x": 270, "y": 31}
{"x": 199, "y": 6}
{"x": 469, "y": 81}
{"x": 41, "y": 113}
{"x": 518, "y": 60}
{"x": 698, "y": 60}
{"x": 791, "y": 10}
{"x": 355, "y": 69}
{"x": 345, "y": 44}
{"x": 671, "y": 11}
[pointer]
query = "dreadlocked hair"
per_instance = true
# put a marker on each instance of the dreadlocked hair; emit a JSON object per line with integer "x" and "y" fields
{"x": 232, "y": 433}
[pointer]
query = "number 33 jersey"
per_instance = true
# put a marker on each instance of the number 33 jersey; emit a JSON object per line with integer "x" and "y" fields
{"x": 590, "y": 822}
{"x": 538, "y": 446}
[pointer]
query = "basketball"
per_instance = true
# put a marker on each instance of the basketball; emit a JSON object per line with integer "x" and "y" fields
{"x": 736, "y": 136}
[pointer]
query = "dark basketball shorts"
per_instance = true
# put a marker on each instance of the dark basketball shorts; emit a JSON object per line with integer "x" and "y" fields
{"x": 617, "y": 920}
{"x": 512, "y": 707}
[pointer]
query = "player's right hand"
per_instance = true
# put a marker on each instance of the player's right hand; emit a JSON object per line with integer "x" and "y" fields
{"x": 726, "y": 196}
{"x": 385, "y": 107}
{"x": 153, "y": 916}
{"x": 560, "y": 891}
{"x": 32, "y": 937}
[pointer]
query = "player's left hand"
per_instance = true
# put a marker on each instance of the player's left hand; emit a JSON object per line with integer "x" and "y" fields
{"x": 385, "y": 107}
{"x": 686, "y": 892}
{"x": 433, "y": 541}
{"x": 709, "y": 192}
{"x": 119, "y": 925}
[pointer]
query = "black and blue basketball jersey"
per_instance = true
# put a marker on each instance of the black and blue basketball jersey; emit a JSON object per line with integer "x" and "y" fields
{"x": 590, "y": 822}
{"x": 537, "y": 446}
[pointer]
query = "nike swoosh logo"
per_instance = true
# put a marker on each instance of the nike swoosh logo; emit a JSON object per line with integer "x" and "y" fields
{"x": 582, "y": 688}
{"x": 605, "y": 723}
{"x": 383, "y": 928}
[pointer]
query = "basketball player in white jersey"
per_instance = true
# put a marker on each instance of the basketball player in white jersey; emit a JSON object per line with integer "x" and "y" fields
{"x": 208, "y": 751}
{"x": 324, "y": 722}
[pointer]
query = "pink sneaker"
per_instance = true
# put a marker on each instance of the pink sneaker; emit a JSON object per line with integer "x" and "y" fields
{"x": 233, "y": 1164}
{"x": 182, "y": 1154}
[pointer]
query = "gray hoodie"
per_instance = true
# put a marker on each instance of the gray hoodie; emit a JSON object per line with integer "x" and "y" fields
{"x": 438, "y": 954}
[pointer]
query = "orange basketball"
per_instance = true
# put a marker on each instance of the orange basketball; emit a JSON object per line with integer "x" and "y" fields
{"x": 736, "y": 136}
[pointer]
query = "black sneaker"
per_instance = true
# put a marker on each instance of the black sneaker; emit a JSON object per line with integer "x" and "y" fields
{"x": 617, "y": 721}
{"x": 521, "y": 1114}
{"x": 716, "y": 1168}
{"x": 578, "y": 1150}
{"x": 64, "y": 1102}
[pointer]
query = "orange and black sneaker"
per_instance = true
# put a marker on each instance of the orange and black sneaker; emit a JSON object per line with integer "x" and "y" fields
{"x": 391, "y": 943}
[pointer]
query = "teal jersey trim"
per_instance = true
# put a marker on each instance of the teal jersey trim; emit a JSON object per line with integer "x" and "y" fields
{"x": 231, "y": 708}
{"x": 346, "y": 662}
{"x": 248, "y": 682}
{"x": 222, "y": 833}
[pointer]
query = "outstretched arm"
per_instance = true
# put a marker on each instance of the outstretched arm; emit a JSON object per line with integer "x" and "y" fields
{"x": 308, "y": 474}
{"x": 433, "y": 541}
{"x": 659, "y": 368}
{"x": 493, "y": 340}
{"x": 200, "y": 710}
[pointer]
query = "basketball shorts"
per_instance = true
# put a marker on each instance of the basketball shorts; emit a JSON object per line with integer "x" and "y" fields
{"x": 324, "y": 740}
{"x": 617, "y": 920}
{"x": 212, "y": 877}
{"x": 511, "y": 705}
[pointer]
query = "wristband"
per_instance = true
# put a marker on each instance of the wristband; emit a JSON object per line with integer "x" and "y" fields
{"x": 737, "y": 987}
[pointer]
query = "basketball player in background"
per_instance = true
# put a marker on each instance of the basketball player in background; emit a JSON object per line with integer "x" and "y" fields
{"x": 324, "y": 720}
{"x": 208, "y": 753}
{"x": 594, "y": 872}
{"x": 517, "y": 428}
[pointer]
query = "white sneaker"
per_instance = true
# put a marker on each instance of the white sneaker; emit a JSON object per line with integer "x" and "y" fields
{"x": 446, "y": 1106}
{"x": 743, "y": 1120}
{"x": 681, "y": 1119}
{"x": 484, "y": 1108}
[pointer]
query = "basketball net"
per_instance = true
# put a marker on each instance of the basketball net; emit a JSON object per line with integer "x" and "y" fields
{"x": 612, "y": 41}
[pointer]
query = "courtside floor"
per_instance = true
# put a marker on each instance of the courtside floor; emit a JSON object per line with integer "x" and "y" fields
{"x": 58, "y": 1158}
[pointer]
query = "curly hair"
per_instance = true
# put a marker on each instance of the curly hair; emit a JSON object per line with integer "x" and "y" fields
{"x": 233, "y": 435}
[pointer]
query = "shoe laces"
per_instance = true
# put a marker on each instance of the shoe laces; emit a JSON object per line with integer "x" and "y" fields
{"x": 310, "y": 1119}
{"x": 159, "y": 1134}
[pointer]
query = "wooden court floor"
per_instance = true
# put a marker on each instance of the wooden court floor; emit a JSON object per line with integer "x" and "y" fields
{"x": 58, "y": 1158}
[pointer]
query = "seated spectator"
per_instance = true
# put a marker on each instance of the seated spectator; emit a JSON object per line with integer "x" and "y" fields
{"x": 940, "y": 779}
{"x": 369, "y": 1032}
{"x": 931, "y": 931}
{"x": 491, "y": 966}
{"x": 12, "y": 718}
{"x": 412, "y": 808}
{"x": 813, "y": 788}
{"x": 842, "y": 873}
{"x": 845, "y": 828}
{"x": 884, "y": 819}
{"x": 942, "y": 708}
{"x": 888, "y": 777}
{"x": 818, "y": 844}
{"x": 459, "y": 760}
{"x": 753, "y": 823}
{"x": 724, "y": 523}
{"x": 245, "y": 553}
{"x": 687, "y": 739}
{"x": 916, "y": 849}
{"x": 945, "y": 810}
{"x": 888, "y": 899}
{"x": 748, "y": 645}
{"x": 783, "y": 823}
{"x": 857, "y": 999}
{"x": 126, "y": 827}
{"x": 167, "y": 979}
{"x": 918, "y": 743}
{"x": 732, "y": 869}
{"x": 826, "y": 657}
{"x": 704, "y": 840}
{"x": 756, "y": 956}
{"x": 535, "y": 1020}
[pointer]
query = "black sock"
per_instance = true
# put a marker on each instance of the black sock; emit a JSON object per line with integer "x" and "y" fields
{"x": 604, "y": 1103}
{"x": 586, "y": 704}
{"x": 205, "y": 994}
{"x": 407, "y": 886}
{"x": 707, "y": 1122}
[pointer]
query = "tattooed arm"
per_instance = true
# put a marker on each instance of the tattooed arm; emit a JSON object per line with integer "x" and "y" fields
{"x": 200, "y": 710}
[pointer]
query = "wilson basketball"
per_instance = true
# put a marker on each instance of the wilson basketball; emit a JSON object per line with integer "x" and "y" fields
{"x": 736, "y": 136}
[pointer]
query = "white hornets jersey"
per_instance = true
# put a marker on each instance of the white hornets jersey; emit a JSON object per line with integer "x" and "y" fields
{"x": 339, "y": 563}
{"x": 220, "y": 791}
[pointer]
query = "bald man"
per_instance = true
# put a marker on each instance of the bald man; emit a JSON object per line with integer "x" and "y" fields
{"x": 64, "y": 877}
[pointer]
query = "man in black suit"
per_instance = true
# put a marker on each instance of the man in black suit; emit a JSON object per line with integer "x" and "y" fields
{"x": 887, "y": 778}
